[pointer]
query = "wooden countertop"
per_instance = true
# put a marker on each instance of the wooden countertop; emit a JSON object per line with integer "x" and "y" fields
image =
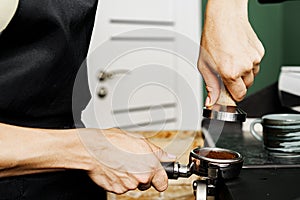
{"x": 179, "y": 143}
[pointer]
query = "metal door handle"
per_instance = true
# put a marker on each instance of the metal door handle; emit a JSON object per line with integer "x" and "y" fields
{"x": 104, "y": 75}
{"x": 102, "y": 92}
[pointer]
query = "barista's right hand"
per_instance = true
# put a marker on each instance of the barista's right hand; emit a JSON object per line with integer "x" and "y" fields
{"x": 229, "y": 48}
{"x": 122, "y": 161}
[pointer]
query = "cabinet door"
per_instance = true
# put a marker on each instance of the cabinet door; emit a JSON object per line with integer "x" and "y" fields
{"x": 142, "y": 65}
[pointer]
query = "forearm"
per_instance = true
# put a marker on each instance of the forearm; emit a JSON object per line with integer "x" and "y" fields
{"x": 239, "y": 6}
{"x": 221, "y": 10}
{"x": 28, "y": 150}
{"x": 230, "y": 51}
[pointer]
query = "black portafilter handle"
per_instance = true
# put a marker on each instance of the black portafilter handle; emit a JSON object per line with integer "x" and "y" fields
{"x": 175, "y": 170}
{"x": 274, "y": 1}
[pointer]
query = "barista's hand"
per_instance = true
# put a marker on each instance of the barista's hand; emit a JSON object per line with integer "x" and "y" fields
{"x": 124, "y": 161}
{"x": 229, "y": 48}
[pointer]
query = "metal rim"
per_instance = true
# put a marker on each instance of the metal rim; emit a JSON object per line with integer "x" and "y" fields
{"x": 282, "y": 119}
{"x": 238, "y": 157}
{"x": 224, "y": 116}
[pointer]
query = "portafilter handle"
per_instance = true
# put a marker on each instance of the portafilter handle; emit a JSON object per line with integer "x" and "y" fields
{"x": 176, "y": 170}
{"x": 202, "y": 188}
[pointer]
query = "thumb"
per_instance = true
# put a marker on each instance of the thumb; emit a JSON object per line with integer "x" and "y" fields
{"x": 160, "y": 178}
{"x": 206, "y": 64}
{"x": 162, "y": 155}
{"x": 212, "y": 86}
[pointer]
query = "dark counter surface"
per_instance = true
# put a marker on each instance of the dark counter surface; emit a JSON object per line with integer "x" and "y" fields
{"x": 230, "y": 136}
{"x": 265, "y": 183}
{"x": 264, "y": 175}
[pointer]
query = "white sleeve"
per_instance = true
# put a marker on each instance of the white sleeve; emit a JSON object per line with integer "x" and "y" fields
{"x": 7, "y": 11}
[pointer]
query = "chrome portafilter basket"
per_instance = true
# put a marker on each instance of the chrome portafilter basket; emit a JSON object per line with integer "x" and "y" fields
{"x": 211, "y": 164}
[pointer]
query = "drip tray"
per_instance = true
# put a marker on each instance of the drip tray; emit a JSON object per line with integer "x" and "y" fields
{"x": 265, "y": 175}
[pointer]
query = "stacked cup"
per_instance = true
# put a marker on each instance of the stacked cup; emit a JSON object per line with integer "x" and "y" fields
{"x": 281, "y": 132}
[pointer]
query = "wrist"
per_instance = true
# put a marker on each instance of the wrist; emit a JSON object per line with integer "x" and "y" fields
{"x": 72, "y": 152}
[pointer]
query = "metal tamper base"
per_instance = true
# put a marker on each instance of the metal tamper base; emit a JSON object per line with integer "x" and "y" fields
{"x": 225, "y": 113}
{"x": 225, "y": 109}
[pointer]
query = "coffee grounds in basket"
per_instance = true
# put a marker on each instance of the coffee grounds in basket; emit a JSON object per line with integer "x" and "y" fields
{"x": 218, "y": 155}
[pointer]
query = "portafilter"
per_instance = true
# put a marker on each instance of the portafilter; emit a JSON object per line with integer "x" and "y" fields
{"x": 211, "y": 164}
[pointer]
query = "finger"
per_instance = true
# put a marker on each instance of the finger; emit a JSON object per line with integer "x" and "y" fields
{"x": 160, "y": 180}
{"x": 206, "y": 64}
{"x": 256, "y": 57}
{"x": 111, "y": 184}
{"x": 129, "y": 183}
{"x": 248, "y": 79}
{"x": 256, "y": 69}
{"x": 257, "y": 47}
{"x": 256, "y": 62}
{"x": 237, "y": 88}
{"x": 260, "y": 49}
{"x": 119, "y": 189}
{"x": 212, "y": 85}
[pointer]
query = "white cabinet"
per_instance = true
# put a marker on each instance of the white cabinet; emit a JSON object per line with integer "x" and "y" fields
{"x": 146, "y": 53}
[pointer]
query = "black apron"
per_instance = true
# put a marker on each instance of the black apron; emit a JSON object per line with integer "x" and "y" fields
{"x": 41, "y": 52}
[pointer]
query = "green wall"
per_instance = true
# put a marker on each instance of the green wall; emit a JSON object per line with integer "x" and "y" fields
{"x": 291, "y": 27}
{"x": 267, "y": 21}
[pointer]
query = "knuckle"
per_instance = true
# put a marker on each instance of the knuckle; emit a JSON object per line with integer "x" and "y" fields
{"x": 240, "y": 96}
{"x": 231, "y": 72}
{"x": 144, "y": 179}
{"x": 116, "y": 188}
{"x": 120, "y": 188}
{"x": 257, "y": 59}
{"x": 164, "y": 187}
{"x": 248, "y": 68}
{"x": 131, "y": 186}
{"x": 160, "y": 183}
{"x": 232, "y": 76}
{"x": 249, "y": 84}
{"x": 130, "y": 183}
{"x": 248, "y": 64}
{"x": 256, "y": 70}
{"x": 120, "y": 191}
{"x": 261, "y": 51}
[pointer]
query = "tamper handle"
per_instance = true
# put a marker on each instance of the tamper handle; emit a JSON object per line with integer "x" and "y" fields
{"x": 225, "y": 98}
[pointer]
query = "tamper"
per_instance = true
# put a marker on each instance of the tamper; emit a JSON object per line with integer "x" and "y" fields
{"x": 225, "y": 109}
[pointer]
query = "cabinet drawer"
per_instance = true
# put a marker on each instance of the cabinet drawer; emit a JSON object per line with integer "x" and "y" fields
{"x": 142, "y": 9}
